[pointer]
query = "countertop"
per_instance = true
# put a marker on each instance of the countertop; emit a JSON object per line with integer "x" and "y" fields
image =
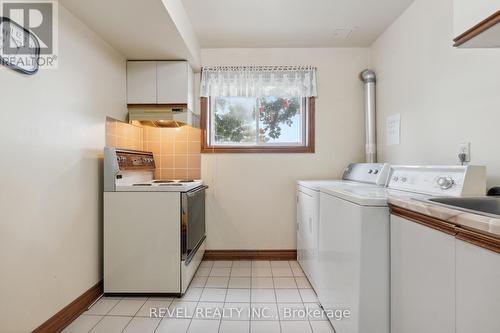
{"x": 481, "y": 223}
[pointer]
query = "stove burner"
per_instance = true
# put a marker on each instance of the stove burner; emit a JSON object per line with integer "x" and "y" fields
{"x": 170, "y": 181}
{"x": 141, "y": 184}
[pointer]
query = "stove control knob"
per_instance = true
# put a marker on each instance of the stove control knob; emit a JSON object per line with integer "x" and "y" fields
{"x": 370, "y": 171}
{"x": 445, "y": 182}
{"x": 395, "y": 179}
{"x": 403, "y": 179}
{"x": 375, "y": 171}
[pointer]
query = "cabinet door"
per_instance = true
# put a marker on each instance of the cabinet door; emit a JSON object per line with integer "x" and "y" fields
{"x": 478, "y": 289}
{"x": 172, "y": 82}
{"x": 422, "y": 279}
{"x": 141, "y": 82}
{"x": 142, "y": 248}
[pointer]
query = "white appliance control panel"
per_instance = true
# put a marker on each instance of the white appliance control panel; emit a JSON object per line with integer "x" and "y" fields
{"x": 370, "y": 173}
{"x": 439, "y": 180}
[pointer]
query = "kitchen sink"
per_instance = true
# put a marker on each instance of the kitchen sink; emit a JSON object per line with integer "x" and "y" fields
{"x": 478, "y": 205}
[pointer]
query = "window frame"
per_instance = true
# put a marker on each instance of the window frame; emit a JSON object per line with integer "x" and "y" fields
{"x": 309, "y": 127}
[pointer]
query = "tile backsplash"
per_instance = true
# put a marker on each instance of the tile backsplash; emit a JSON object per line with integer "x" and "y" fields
{"x": 176, "y": 150}
{"x": 123, "y": 135}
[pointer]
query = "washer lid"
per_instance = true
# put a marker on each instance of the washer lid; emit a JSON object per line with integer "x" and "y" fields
{"x": 317, "y": 184}
{"x": 360, "y": 195}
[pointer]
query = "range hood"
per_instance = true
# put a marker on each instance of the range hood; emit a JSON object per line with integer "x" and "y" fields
{"x": 163, "y": 116}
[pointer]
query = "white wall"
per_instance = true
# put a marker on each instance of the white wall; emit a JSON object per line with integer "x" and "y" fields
{"x": 251, "y": 201}
{"x": 182, "y": 22}
{"x": 445, "y": 95}
{"x": 50, "y": 193}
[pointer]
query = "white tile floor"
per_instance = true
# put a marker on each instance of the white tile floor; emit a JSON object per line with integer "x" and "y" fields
{"x": 224, "y": 297}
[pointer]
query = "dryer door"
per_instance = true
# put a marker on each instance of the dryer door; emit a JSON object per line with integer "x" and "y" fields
{"x": 306, "y": 204}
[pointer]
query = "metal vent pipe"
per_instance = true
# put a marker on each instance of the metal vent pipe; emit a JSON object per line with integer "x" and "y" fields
{"x": 368, "y": 78}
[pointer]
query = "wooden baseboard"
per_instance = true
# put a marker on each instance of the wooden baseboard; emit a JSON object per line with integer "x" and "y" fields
{"x": 250, "y": 255}
{"x": 70, "y": 312}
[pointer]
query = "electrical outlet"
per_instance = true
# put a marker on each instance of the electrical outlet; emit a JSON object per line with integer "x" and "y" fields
{"x": 464, "y": 148}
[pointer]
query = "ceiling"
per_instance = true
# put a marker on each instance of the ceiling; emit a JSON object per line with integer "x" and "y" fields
{"x": 291, "y": 23}
{"x": 145, "y": 29}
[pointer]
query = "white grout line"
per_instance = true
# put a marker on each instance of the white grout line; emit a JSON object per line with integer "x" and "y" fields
{"x": 127, "y": 324}
{"x": 103, "y": 316}
{"x": 276, "y": 298}
{"x": 171, "y": 301}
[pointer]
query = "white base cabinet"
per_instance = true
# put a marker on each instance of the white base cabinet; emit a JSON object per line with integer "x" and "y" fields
{"x": 422, "y": 279}
{"x": 441, "y": 284}
{"x": 478, "y": 289}
{"x": 142, "y": 247}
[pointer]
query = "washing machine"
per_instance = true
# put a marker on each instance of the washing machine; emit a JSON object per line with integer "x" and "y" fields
{"x": 308, "y": 208}
{"x": 353, "y": 270}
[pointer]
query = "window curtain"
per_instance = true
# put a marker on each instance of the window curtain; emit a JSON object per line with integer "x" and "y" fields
{"x": 258, "y": 81}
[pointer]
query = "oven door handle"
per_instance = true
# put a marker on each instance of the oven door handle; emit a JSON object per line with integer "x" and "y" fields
{"x": 196, "y": 190}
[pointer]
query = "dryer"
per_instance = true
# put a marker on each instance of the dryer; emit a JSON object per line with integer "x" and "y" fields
{"x": 308, "y": 207}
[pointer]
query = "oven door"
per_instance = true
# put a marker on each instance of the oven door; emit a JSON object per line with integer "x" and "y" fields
{"x": 192, "y": 221}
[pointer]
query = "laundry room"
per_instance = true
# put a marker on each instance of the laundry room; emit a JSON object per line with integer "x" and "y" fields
{"x": 237, "y": 166}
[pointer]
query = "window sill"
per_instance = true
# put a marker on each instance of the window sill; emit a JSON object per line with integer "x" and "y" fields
{"x": 257, "y": 150}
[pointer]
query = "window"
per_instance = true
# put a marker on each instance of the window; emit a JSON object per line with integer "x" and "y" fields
{"x": 254, "y": 122}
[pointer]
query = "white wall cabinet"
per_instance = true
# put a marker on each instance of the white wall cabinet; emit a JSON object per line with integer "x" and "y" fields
{"x": 160, "y": 82}
{"x": 478, "y": 289}
{"x": 174, "y": 82}
{"x": 469, "y": 13}
{"x": 141, "y": 82}
{"x": 422, "y": 279}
